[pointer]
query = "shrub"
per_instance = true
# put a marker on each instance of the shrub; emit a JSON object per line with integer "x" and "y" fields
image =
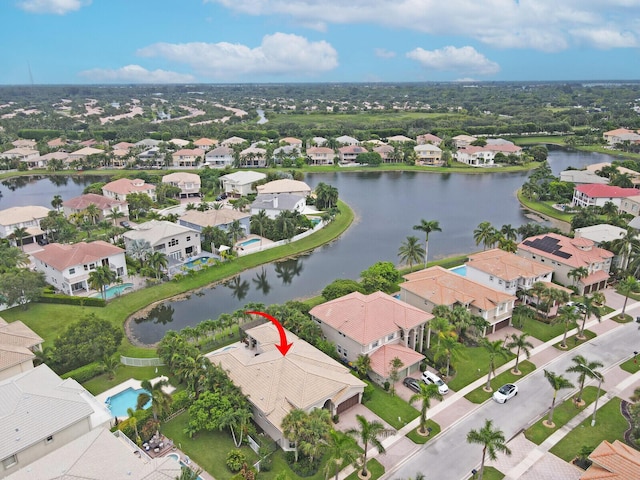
{"x": 367, "y": 393}
{"x": 235, "y": 459}
{"x": 68, "y": 300}
{"x": 386, "y": 386}
{"x": 85, "y": 373}
{"x": 148, "y": 428}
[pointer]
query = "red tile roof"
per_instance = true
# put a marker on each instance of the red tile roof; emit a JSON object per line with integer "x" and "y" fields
{"x": 381, "y": 358}
{"x": 124, "y": 186}
{"x": 613, "y": 461}
{"x": 61, "y": 256}
{"x": 507, "y": 266}
{"x": 83, "y": 201}
{"x": 595, "y": 190}
{"x": 575, "y": 252}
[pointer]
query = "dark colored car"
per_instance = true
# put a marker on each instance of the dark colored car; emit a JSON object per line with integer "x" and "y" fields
{"x": 222, "y": 196}
{"x": 125, "y": 224}
{"x": 412, "y": 384}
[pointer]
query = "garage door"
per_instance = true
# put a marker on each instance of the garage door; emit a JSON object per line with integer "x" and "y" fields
{"x": 347, "y": 404}
{"x": 501, "y": 324}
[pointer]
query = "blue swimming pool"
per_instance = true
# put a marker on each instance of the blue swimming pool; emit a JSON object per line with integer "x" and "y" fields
{"x": 115, "y": 290}
{"x": 182, "y": 464}
{"x": 461, "y": 270}
{"x": 120, "y": 402}
{"x": 249, "y": 242}
{"x": 200, "y": 261}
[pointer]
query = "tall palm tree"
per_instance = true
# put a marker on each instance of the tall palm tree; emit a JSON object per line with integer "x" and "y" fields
{"x": 448, "y": 346}
{"x": 625, "y": 247}
{"x": 92, "y": 212}
{"x": 492, "y": 441}
{"x": 585, "y": 368}
{"x": 341, "y": 451}
{"x": 160, "y": 400}
{"x": 578, "y": 274}
{"x": 523, "y": 345}
{"x": 56, "y": 202}
{"x": 495, "y": 349}
{"x": 157, "y": 262}
{"x": 425, "y": 395}
{"x": 369, "y": 433}
{"x": 362, "y": 365}
{"x": 538, "y": 290}
{"x": 485, "y": 234}
{"x": 626, "y": 287}
{"x": 567, "y": 316}
{"x": 292, "y": 428}
{"x": 100, "y": 278}
{"x": 427, "y": 227}
{"x": 236, "y": 230}
{"x": 509, "y": 232}
{"x": 139, "y": 249}
{"x": 411, "y": 252}
{"x": 19, "y": 234}
{"x": 557, "y": 382}
{"x": 114, "y": 214}
{"x": 133, "y": 421}
{"x": 440, "y": 325}
{"x": 259, "y": 223}
{"x": 588, "y": 309}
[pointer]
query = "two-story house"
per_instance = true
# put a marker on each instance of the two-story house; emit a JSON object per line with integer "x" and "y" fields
{"x": 219, "y": 157}
{"x": 474, "y": 156}
{"x": 436, "y": 286}
{"x": 28, "y": 217}
{"x": 221, "y": 218}
{"x": 428, "y": 138}
{"x": 240, "y": 184}
{"x": 205, "y": 144}
{"x": 377, "y": 325}
{"x": 106, "y": 206}
{"x": 119, "y": 189}
{"x": 349, "y": 153}
{"x": 188, "y": 183}
{"x": 320, "y": 155}
{"x": 593, "y": 195}
{"x": 428, "y": 154}
{"x": 273, "y": 204}
{"x": 177, "y": 242}
{"x": 187, "y": 157}
{"x": 253, "y": 157}
{"x": 67, "y": 267}
{"x": 566, "y": 254}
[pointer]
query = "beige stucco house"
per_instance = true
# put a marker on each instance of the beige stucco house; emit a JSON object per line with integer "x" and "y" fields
{"x": 17, "y": 346}
{"x": 188, "y": 183}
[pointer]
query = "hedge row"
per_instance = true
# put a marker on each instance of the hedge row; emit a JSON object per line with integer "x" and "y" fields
{"x": 85, "y": 373}
{"x": 66, "y": 299}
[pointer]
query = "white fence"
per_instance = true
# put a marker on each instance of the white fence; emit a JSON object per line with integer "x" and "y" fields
{"x": 141, "y": 362}
{"x": 281, "y": 242}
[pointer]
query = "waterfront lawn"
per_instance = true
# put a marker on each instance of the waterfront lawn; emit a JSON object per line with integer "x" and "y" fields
{"x": 563, "y": 413}
{"x": 124, "y": 372}
{"x": 545, "y": 208}
{"x": 541, "y": 330}
{"x": 480, "y": 396}
{"x": 610, "y": 426}
{"x": 373, "y": 466}
{"x": 472, "y": 364}
{"x": 390, "y": 408}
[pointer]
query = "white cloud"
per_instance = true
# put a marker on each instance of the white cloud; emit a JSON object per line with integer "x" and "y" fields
{"x": 58, "y": 7}
{"x": 547, "y": 25}
{"x": 465, "y": 60}
{"x": 384, "y": 53}
{"x": 135, "y": 74}
{"x": 278, "y": 54}
{"x": 605, "y": 38}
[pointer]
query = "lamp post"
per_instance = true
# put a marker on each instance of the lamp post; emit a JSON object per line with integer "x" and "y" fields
{"x": 595, "y": 405}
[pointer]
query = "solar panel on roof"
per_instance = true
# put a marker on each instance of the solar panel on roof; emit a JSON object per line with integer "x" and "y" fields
{"x": 548, "y": 245}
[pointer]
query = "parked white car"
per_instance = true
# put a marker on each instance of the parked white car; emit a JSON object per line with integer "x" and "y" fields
{"x": 430, "y": 377}
{"x": 505, "y": 392}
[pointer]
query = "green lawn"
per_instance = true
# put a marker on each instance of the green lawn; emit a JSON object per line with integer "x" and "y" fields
{"x": 632, "y": 365}
{"x": 610, "y": 425}
{"x": 480, "y": 396}
{"x": 537, "y": 140}
{"x": 415, "y": 437}
{"x": 541, "y": 330}
{"x": 473, "y": 364}
{"x": 545, "y": 208}
{"x": 392, "y": 409}
{"x": 490, "y": 473}
{"x": 102, "y": 382}
{"x": 573, "y": 341}
{"x": 563, "y": 412}
{"x": 373, "y": 465}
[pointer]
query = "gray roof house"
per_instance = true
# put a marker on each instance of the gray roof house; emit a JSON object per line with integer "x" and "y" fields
{"x": 175, "y": 241}
{"x": 273, "y": 204}
{"x": 214, "y": 218}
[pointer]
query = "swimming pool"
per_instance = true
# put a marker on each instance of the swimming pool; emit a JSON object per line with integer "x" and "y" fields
{"x": 461, "y": 270}
{"x": 249, "y": 242}
{"x": 182, "y": 464}
{"x": 115, "y": 290}
{"x": 120, "y": 402}
{"x": 200, "y": 261}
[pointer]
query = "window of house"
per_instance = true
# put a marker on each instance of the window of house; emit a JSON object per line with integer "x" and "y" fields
{"x": 9, "y": 462}
{"x": 491, "y": 278}
{"x": 375, "y": 344}
{"x": 499, "y": 282}
{"x": 86, "y": 267}
{"x": 391, "y": 337}
{"x": 72, "y": 271}
{"x": 173, "y": 242}
{"x": 92, "y": 266}
{"x": 339, "y": 348}
{"x": 49, "y": 439}
{"x": 188, "y": 238}
{"x": 344, "y": 353}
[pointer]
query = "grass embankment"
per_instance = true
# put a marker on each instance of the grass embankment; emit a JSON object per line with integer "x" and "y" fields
{"x": 479, "y": 395}
{"x": 544, "y": 208}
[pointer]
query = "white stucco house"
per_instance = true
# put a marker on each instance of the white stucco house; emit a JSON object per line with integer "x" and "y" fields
{"x": 240, "y": 184}
{"x": 177, "y": 242}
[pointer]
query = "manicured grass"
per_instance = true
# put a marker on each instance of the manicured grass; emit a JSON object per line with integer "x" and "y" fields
{"x": 536, "y": 140}
{"x": 393, "y": 410}
{"x": 541, "y": 330}
{"x": 472, "y": 364}
{"x": 610, "y": 425}
{"x": 544, "y": 208}
{"x": 625, "y": 319}
{"x": 102, "y": 382}
{"x": 374, "y": 466}
{"x": 480, "y": 396}
{"x": 563, "y": 412}
{"x": 490, "y": 473}
{"x": 605, "y": 310}
{"x": 573, "y": 341}
{"x": 415, "y": 437}
{"x": 632, "y": 365}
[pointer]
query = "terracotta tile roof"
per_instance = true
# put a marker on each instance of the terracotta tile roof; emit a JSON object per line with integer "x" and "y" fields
{"x": 18, "y": 334}
{"x": 575, "y": 252}
{"x": 276, "y": 384}
{"x": 124, "y": 186}
{"x": 366, "y": 318}
{"x": 381, "y": 358}
{"x": 86, "y": 151}
{"x": 595, "y": 190}
{"x": 12, "y": 355}
{"x": 61, "y": 256}
{"x": 596, "y": 277}
{"x": 617, "y": 131}
{"x": 429, "y": 137}
{"x": 507, "y": 266}
{"x": 292, "y": 141}
{"x": 123, "y": 146}
{"x": 182, "y": 177}
{"x": 185, "y": 152}
{"x": 313, "y": 150}
{"x": 352, "y": 149}
{"x": 100, "y": 201}
{"x": 213, "y": 218}
{"x": 205, "y": 142}
{"x": 443, "y": 287}
{"x": 613, "y": 461}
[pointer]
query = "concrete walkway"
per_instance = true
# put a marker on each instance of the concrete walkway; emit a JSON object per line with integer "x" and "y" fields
{"x": 534, "y": 463}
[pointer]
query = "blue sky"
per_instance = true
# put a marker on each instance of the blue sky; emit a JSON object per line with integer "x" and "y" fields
{"x": 249, "y": 41}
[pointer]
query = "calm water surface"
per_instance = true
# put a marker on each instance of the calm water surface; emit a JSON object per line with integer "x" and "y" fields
{"x": 386, "y": 204}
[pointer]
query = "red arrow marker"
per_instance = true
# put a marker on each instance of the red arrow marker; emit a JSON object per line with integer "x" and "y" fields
{"x": 284, "y": 346}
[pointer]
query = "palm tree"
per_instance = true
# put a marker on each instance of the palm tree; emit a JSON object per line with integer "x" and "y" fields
{"x": 92, "y": 212}
{"x": 485, "y": 234}
{"x": 110, "y": 365}
{"x": 186, "y": 473}
{"x": 567, "y": 315}
{"x": 236, "y": 230}
{"x": 538, "y": 290}
{"x": 494, "y": 348}
{"x": 56, "y": 202}
{"x": 259, "y": 222}
{"x": 427, "y": 227}
{"x": 492, "y": 441}
{"x": 509, "y": 232}
{"x": 626, "y": 287}
{"x": 292, "y": 427}
{"x": 100, "y": 278}
{"x": 557, "y": 382}
{"x": 160, "y": 400}
{"x": 625, "y": 246}
{"x": 114, "y": 214}
{"x": 522, "y": 344}
{"x": 425, "y": 395}
{"x": 341, "y": 451}
{"x": 369, "y": 433}
{"x": 139, "y": 249}
{"x": 589, "y": 308}
{"x": 411, "y": 252}
{"x": 362, "y": 365}
{"x": 577, "y": 274}
{"x": 440, "y": 325}
{"x": 19, "y": 234}
{"x": 585, "y": 368}
{"x": 448, "y": 346}
{"x": 157, "y": 262}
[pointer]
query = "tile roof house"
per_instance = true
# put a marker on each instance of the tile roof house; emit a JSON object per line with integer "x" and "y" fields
{"x": 67, "y": 267}
{"x": 461, "y": 141}
{"x": 428, "y": 154}
{"x": 24, "y": 143}
{"x": 294, "y": 142}
{"x": 124, "y": 146}
{"x": 84, "y": 153}
{"x": 188, "y": 183}
{"x": 284, "y": 185}
{"x": 105, "y": 205}
{"x": 565, "y": 254}
{"x": 205, "y": 144}
{"x": 506, "y": 271}
{"x": 275, "y": 384}
{"x": 28, "y": 217}
{"x": 320, "y": 155}
{"x": 347, "y": 140}
{"x": 613, "y": 137}
{"x": 40, "y": 413}
{"x": 349, "y": 153}
{"x": 187, "y": 157}
{"x": 232, "y": 141}
{"x": 240, "y": 183}
{"x": 597, "y": 167}
{"x": 17, "y": 346}
{"x": 386, "y": 153}
{"x": 214, "y": 218}
{"x": 219, "y": 157}
{"x": 631, "y": 205}
{"x": 436, "y": 286}
{"x": 400, "y": 139}
{"x": 273, "y": 204}
{"x": 613, "y": 461}
{"x": 119, "y": 189}
{"x": 179, "y": 142}
{"x": 598, "y": 195}
{"x": 253, "y": 157}
{"x": 429, "y": 138}
{"x": 475, "y": 156}
{"x": 377, "y": 325}
{"x": 56, "y": 142}
{"x": 582, "y": 177}
{"x": 21, "y": 153}
{"x": 177, "y": 242}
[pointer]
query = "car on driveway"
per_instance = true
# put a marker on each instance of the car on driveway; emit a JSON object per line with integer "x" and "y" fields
{"x": 411, "y": 384}
{"x": 505, "y": 392}
{"x": 430, "y": 377}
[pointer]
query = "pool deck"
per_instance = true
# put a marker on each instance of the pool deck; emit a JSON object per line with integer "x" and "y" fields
{"x": 131, "y": 383}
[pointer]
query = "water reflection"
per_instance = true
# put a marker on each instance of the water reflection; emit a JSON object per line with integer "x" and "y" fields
{"x": 239, "y": 288}
{"x": 262, "y": 282}
{"x": 159, "y": 315}
{"x": 60, "y": 180}
{"x": 289, "y": 269}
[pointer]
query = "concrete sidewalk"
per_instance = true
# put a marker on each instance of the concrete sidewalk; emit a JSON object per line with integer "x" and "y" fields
{"x": 455, "y": 408}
